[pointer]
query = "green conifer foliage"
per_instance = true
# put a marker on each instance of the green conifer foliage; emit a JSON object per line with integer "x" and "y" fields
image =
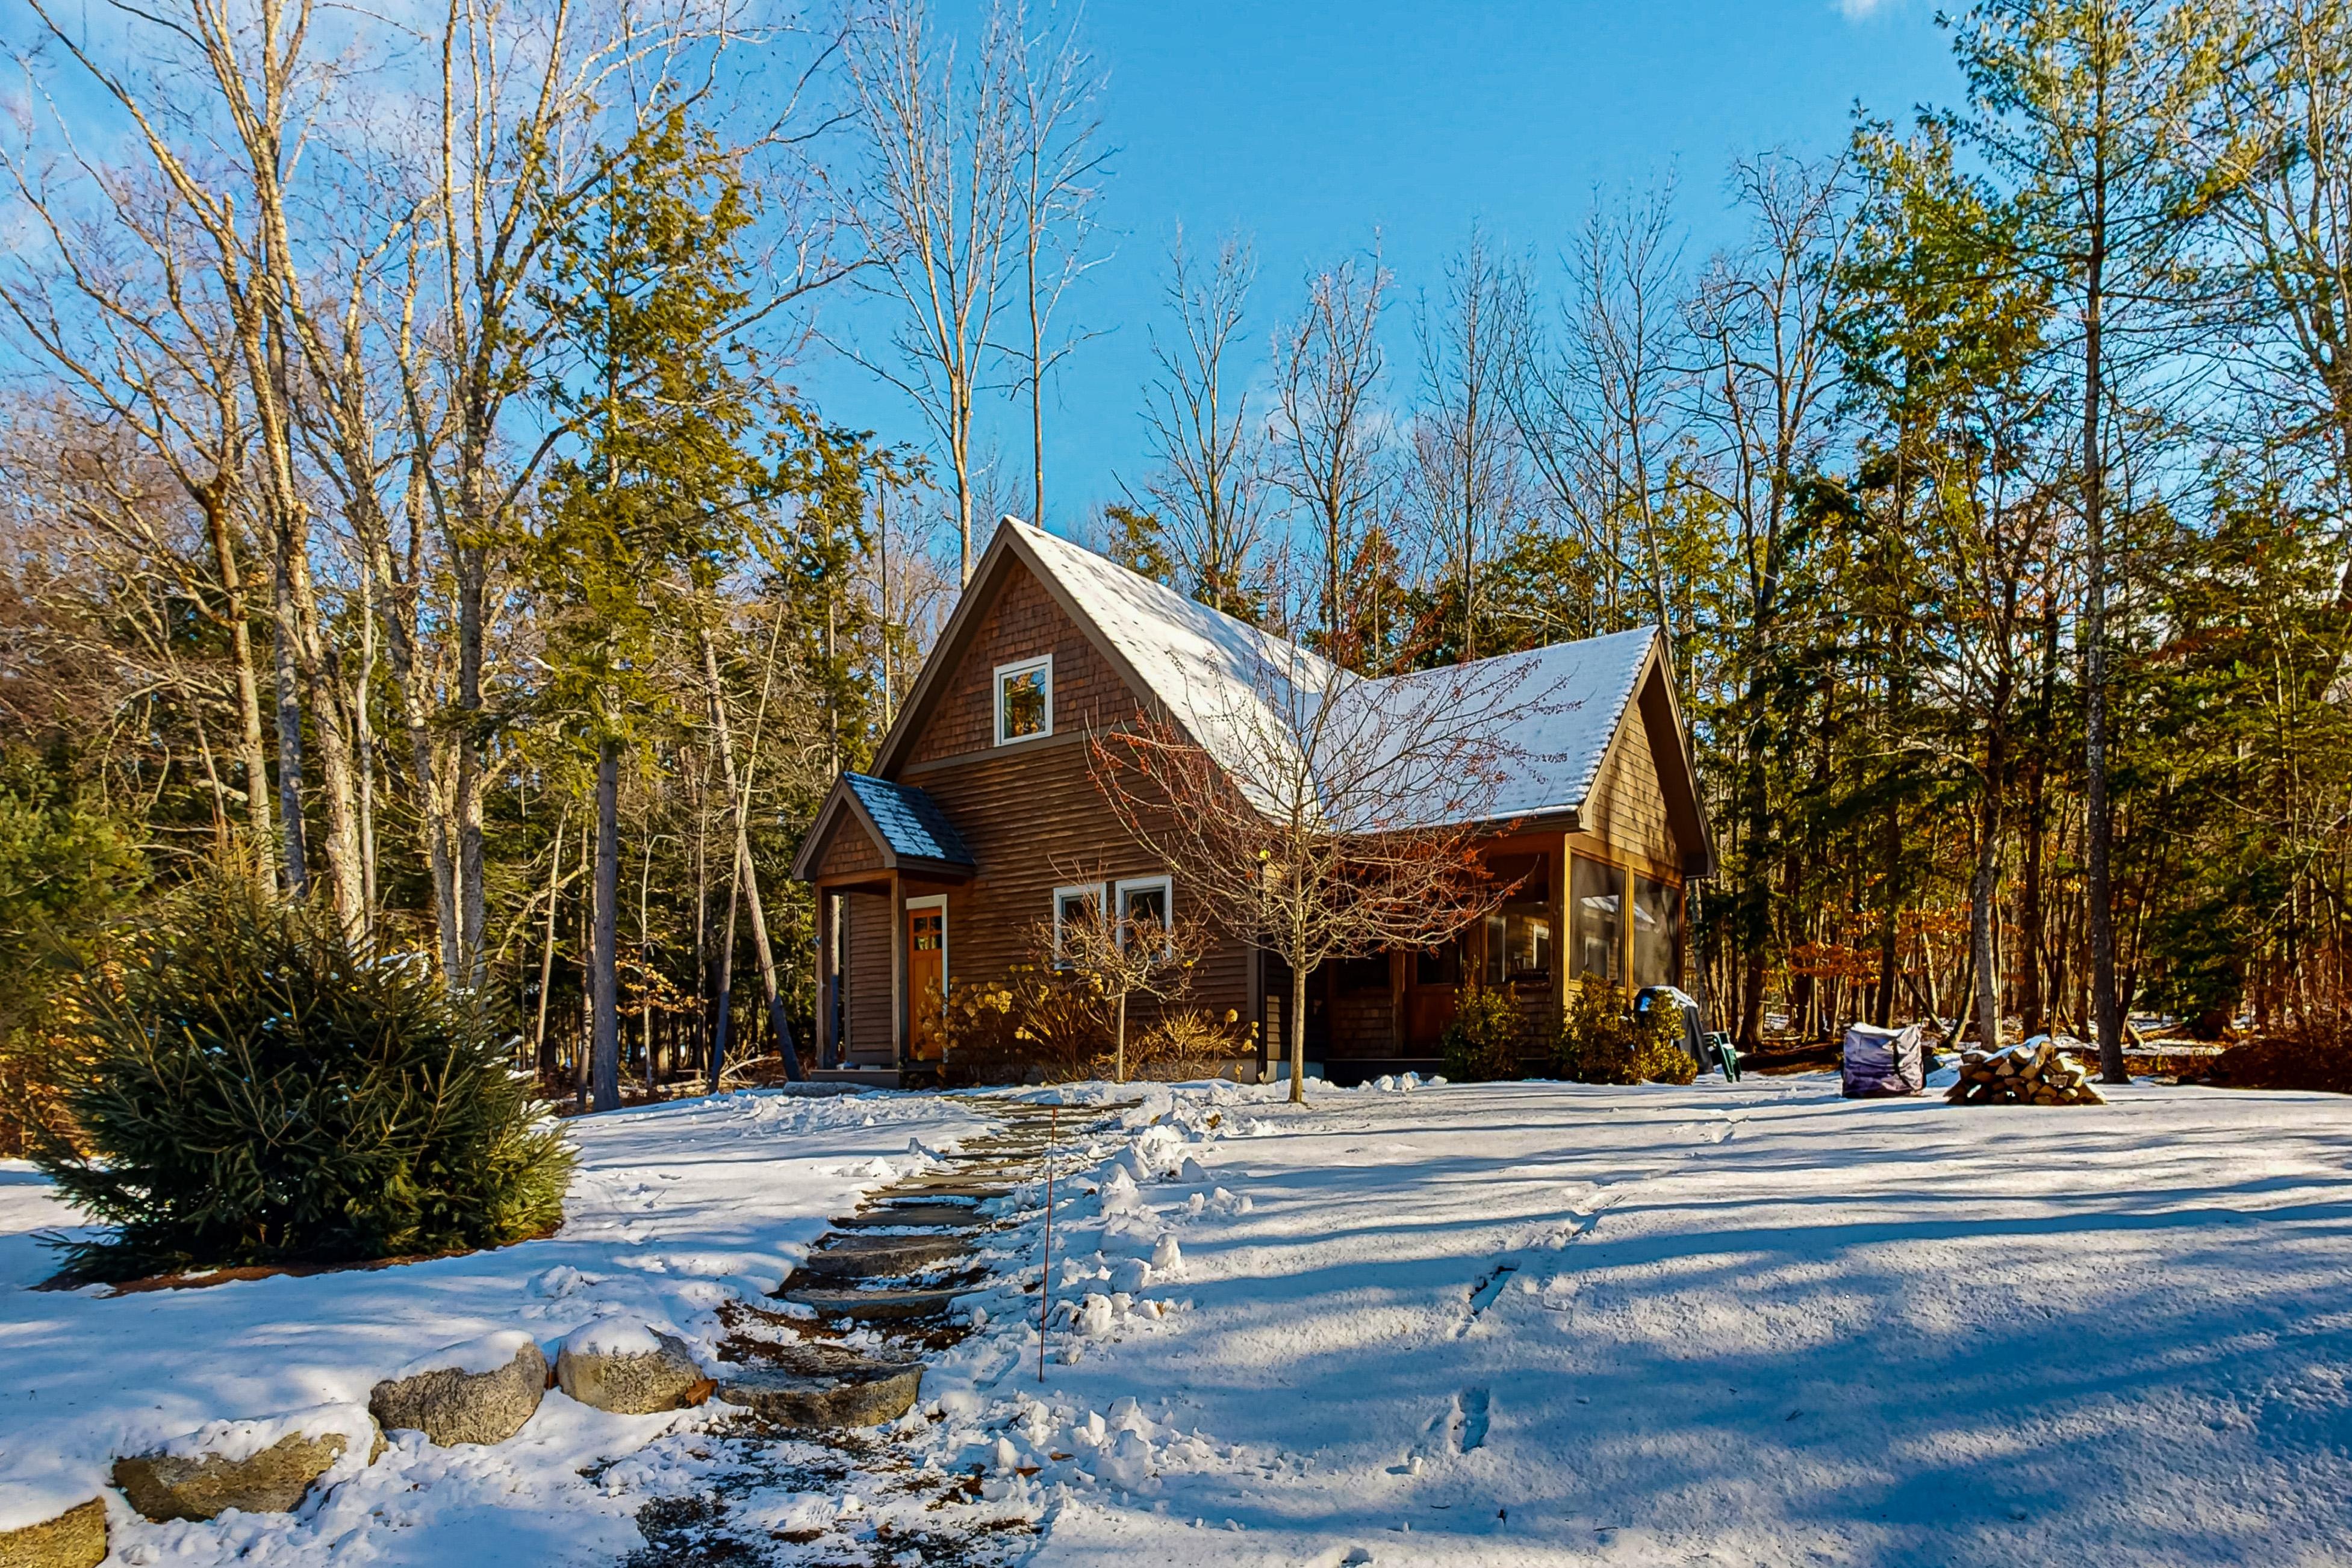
{"x": 254, "y": 1088}
{"x": 1603, "y": 1040}
{"x": 1482, "y": 1043}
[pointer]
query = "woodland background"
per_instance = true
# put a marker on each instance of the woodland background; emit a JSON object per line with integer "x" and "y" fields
{"x": 400, "y": 436}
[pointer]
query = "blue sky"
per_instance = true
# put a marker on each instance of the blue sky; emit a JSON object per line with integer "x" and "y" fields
{"x": 1310, "y": 124}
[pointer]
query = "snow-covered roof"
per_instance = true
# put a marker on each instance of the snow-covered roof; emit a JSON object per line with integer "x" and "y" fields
{"x": 910, "y": 822}
{"x": 1206, "y": 668}
{"x": 1232, "y": 685}
{"x": 1563, "y": 705}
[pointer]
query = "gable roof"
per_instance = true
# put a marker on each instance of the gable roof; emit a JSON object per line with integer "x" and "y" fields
{"x": 1226, "y": 683}
{"x": 1570, "y": 699}
{"x": 905, "y": 823}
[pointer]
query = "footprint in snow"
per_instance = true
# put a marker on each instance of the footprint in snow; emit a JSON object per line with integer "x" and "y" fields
{"x": 1489, "y": 1285}
{"x": 1459, "y": 1428}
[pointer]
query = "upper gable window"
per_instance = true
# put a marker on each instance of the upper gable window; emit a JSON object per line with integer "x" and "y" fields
{"x": 1024, "y": 700}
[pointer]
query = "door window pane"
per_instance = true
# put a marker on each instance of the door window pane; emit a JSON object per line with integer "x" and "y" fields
{"x": 1595, "y": 891}
{"x": 1657, "y": 933}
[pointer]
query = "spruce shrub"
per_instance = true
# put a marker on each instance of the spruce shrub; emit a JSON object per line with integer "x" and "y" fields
{"x": 1482, "y": 1043}
{"x": 254, "y": 1088}
{"x": 1603, "y": 1040}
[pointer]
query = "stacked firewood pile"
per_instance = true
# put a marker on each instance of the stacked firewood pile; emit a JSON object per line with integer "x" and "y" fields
{"x": 2035, "y": 1073}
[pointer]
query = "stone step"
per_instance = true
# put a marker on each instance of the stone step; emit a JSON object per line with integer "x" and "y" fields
{"x": 817, "y": 1386}
{"x": 978, "y": 1191}
{"x": 876, "y": 1305}
{"x": 912, "y": 1213}
{"x": 881, "y": 1256}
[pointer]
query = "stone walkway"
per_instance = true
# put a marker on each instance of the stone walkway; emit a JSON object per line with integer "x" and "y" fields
{"x": 883, "y": 1283}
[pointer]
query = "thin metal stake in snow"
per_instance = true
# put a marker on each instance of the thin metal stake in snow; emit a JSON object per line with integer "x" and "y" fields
{"x": 1046, "y": 1270}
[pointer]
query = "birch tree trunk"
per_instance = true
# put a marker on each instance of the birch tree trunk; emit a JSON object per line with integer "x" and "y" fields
{"x": 739, "y": 795}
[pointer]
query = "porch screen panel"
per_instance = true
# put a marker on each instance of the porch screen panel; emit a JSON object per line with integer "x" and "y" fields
{"x": 1657, "y": 933}
{"x": 1595, "y": 891}
{"x": 1520, "y": 936}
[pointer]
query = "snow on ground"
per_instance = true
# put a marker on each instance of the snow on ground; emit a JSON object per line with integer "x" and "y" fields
{"x": 1529, "y": 1323}
{"x": 673, "y": 1211}
{"x": 1739, "y": 1325}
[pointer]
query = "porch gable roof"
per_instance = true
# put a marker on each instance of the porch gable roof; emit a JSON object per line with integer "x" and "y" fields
{"x": 905, "y": 823}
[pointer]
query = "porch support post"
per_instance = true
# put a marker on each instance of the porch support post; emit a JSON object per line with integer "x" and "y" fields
{"x": 1563, "y": 911}
{"x": 897, "y": 973}
{"x": 1397, "y": 959}
{"x": 1625, "y": 924}
{"x": 828, "y": 976}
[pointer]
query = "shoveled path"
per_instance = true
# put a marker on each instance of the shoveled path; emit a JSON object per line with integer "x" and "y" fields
{"x": 883, "y": 1284}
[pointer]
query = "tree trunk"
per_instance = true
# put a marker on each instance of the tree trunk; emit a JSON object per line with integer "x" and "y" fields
{"x": 750, "y": 873}
{"x": 473, "y": 907}
{"x": 2099, "y": 823}
{"x": 1297, "y": 1025}
{"x": 1984, "y": 960}
{"x": 605, "y": 1019}
{"x": 542, "y": 1062}
{"x": 398, "y": 612}
{"x": 1119, "y": 1058}
{"x": 1751, "y": 996}
{"x": 724, "y": 1007}
{"x": 337, "y": 783}
{"x": 250, "y": 751}
{"x": 293, "y": 848}
{"x": 1890, "y": 844}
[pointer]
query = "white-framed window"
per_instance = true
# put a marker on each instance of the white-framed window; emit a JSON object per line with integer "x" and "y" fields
{"x": 1024, "y": 700}
{"x": 1078, "y": 901}
{"x": 1143, "y": 899}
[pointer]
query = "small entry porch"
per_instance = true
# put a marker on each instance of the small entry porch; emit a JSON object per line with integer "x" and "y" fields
{"x": 886, "y": 864}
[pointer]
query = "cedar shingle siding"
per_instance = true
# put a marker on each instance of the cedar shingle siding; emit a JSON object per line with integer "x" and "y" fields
{"x": 1628, "y": 808}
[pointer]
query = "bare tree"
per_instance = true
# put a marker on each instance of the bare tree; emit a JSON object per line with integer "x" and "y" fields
{"x": 1319, "y": 814}
{"x": 2280, "y": 146}
{"x": 1061, "y": 167}
{"x": 1763, "y": 318}
{"x": 945, "y": 141}
{"x": 747, "y": 874}
{"x": 1209, "y": 489}
{"x": 1327, "y": 367}
{"x": 146, "y": 345}
{"x": 1599, "y": 413}
{"x": 1467, "y": 476}
{"x": 223, "y": 166}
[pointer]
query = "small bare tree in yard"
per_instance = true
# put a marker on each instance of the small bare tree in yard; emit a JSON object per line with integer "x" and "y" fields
{"x": 1119, "y": 956}
{"x": 1320, "y": 815}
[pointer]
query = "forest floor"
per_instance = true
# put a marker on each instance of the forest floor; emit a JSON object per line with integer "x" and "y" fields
{"x": 1495, "y": 1324}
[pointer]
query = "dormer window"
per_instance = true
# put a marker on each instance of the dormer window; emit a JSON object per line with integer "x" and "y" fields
{"x": 1024, "y": 700}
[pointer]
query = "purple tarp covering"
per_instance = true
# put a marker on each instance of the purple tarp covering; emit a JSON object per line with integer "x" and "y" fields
{"x": 1883, "y": 1062}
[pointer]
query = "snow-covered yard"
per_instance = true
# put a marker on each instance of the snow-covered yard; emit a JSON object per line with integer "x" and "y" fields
{"x": 1496, "y": 1325}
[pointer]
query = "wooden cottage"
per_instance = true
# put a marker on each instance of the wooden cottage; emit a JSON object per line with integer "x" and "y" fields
{"x": 982, "y": 820}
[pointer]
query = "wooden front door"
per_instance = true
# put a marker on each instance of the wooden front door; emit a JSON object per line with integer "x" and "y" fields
{"x": 927, "y": 976}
